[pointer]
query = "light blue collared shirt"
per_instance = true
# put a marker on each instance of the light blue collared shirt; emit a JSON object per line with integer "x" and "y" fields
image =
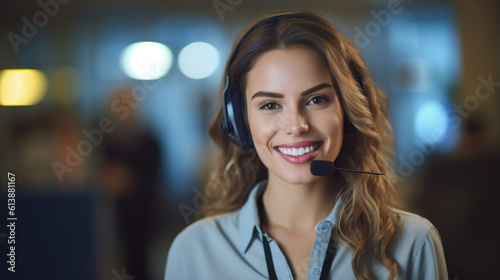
{"x": 229, "y": 246}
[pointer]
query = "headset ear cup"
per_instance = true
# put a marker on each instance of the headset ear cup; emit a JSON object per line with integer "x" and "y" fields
{"x": 241, "y": 130}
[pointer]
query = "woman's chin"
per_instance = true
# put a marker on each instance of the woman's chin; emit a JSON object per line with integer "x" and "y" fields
{"x": 298, "y": 178}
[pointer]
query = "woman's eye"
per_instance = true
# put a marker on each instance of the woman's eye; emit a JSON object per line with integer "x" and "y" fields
{"x": 269, "y": 105}
{"x": 316, "y": 100}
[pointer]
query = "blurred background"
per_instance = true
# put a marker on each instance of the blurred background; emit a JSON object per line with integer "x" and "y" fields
{"x": 105, "y": 105}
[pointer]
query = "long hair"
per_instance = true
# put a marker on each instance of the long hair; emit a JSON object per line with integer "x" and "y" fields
{"x": 365, "y": 223}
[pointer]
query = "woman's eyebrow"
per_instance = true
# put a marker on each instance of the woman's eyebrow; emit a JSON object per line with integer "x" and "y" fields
{"x": 267, "y": 94}
{"x": 315, "y": 88}
{"x": 279, "y": 95}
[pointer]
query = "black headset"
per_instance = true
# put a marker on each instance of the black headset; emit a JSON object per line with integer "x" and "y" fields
{"x": 234, "y": 123}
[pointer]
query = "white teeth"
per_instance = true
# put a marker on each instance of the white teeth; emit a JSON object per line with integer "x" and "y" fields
{"x": 300, "y": 151}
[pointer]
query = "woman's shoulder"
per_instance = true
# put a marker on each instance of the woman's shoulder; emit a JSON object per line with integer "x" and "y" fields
{"x": 415, "y": 229}
{"x": 207, "y": 228}
{"x": 413, "y": 223}
{"x": 418, "y": 248}
{"x": 198, "y": 243}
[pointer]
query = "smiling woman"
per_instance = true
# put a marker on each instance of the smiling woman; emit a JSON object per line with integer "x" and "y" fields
{"x": 297, "y": 90}
{"x": 292, "y": 106}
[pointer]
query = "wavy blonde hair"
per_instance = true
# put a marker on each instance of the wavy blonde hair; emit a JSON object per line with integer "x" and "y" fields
{"x": 365, "y": 223}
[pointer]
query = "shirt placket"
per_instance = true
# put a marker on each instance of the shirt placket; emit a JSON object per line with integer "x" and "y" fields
{"x": 323, "y": 233}
{"x": 281, "y": 267}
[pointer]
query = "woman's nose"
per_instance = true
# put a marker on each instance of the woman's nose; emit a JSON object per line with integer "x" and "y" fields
{"x": 296, "y": 123}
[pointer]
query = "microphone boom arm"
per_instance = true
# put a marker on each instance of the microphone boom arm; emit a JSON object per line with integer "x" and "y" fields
{"x": 327, "y": 168}
{"x": 359, "y": 171}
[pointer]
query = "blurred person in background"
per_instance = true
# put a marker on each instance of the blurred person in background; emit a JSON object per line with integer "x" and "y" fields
{"x": 130, "y": 166}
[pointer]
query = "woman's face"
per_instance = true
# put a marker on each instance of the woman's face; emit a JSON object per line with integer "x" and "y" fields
{"x": 294, "y": 113}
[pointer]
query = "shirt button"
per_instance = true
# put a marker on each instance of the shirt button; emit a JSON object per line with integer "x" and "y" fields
{"x": 317, "y": 270}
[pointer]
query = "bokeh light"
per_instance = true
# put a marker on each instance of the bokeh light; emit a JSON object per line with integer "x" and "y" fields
{"x": 22, "y": 87}
{"x": 146, "y": 60}
{"x": 198, "y": 60}
{"x": 431, "y": 121}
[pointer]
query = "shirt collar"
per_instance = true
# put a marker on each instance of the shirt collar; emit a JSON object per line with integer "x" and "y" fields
{"x": 331, "y": 220}
{"x": 249, "y": 221}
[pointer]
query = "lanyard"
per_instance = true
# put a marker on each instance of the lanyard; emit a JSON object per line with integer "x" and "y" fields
{"x": 327, "y": 264}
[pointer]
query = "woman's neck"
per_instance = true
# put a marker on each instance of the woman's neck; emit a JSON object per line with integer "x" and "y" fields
{"x": 297, "y": 207}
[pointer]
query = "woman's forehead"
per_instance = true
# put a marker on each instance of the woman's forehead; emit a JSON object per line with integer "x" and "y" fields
{"x": 285, "y": 70}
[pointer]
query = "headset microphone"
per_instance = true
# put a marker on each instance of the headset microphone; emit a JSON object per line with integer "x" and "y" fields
{"x": 327, "y": 168}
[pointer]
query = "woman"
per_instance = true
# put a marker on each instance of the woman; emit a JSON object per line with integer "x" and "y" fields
{"x": 297, "y": 90}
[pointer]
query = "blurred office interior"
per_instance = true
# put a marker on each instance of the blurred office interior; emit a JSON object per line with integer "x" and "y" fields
{"x": 105, "y": 106}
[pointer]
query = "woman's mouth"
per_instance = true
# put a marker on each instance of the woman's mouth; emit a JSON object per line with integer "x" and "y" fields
{"x": 299, "y": 152}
